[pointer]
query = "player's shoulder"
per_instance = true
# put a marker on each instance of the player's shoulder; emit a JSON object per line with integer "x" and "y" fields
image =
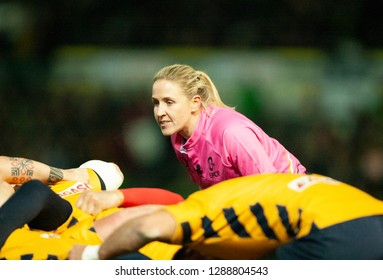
{"x": 228, "y": 118}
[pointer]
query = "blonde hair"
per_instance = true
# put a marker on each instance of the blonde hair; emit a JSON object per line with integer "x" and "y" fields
{"x": 192, "y": 82}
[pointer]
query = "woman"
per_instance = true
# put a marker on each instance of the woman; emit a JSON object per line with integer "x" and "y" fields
{"x": 213, "y": 141}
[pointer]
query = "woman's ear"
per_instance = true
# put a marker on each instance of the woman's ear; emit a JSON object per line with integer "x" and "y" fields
{"x": 196, "y": 103}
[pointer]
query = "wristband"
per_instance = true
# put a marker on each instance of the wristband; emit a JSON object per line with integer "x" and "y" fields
{"x": 90, "y": 253}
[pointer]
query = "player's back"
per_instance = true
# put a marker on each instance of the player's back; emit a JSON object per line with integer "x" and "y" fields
{"x": 261, "y": 212}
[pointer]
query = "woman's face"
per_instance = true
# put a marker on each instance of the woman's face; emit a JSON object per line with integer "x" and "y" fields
{"x": 173, "y": 110}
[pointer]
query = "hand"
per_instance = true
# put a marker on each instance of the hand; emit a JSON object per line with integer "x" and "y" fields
{"x": 93, "y": 202}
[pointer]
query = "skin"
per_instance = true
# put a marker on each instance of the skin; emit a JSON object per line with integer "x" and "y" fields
{"x": 134, "y": 234}
{"x": 6, "y": 190}
{"x": 94, "y": 202}
{"x": 15, "y": 171}
{"x": 173, "y": 110}
{"x": 105, "y": 227}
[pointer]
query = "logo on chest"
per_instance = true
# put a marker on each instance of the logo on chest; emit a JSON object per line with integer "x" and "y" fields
{"x": 212, "y": 173}
{"x": 211, "y": 165}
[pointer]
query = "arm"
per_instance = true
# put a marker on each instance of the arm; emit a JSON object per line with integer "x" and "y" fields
{"x": 6, "y": 191}
{"x": 134, "y": 234}
{"x": 17, "y": 170}
{"x": 131, "y": 236}
{"x": 247, "y": 151}
{"x": 93, "y": 202}
{"x": 253, "y": 151}
{"x": 106, "y": 226}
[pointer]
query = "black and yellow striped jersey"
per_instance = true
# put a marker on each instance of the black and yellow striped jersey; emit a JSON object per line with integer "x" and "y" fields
{"x": 250, "y": 216}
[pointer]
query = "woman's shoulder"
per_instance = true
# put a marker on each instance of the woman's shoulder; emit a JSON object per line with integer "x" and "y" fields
{"x": 219, "y": 113}
{"x": 228, "y": 116}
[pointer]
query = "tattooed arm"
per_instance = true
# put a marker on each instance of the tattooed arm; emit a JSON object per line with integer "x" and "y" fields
{"x": 17, "y": 170}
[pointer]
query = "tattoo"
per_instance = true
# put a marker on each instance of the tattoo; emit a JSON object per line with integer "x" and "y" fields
{"x": 55, "y": 175}
{"x": 21, "y": 169}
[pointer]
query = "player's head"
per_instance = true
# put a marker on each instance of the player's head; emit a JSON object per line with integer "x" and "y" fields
{"x": 109, "y": 172}
{"x": 192, "y": 83}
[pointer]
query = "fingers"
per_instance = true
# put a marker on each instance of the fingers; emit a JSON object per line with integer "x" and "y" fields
{"x": 93, "y": 202}
{"x": 89, "y": 202}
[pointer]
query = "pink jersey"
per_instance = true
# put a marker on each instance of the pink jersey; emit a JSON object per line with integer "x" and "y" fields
{"x": 225, "y": 144}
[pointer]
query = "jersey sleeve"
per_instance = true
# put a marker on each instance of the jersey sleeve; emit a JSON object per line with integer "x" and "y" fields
{"x": 140, "y": 196}
{"x": 95, "y": 180}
